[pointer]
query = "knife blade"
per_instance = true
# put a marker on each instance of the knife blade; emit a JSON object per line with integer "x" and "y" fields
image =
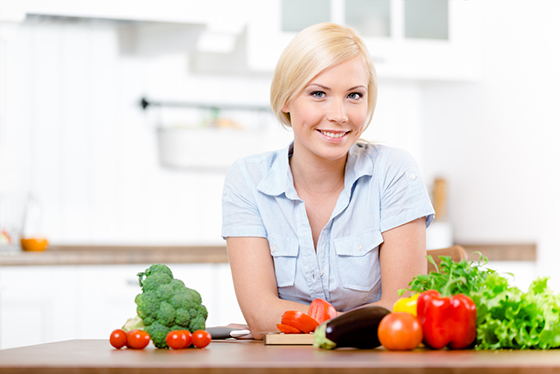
{"x": 224, "y": 332}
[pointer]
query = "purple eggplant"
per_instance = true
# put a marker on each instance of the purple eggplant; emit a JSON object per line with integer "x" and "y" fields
{"x": 356, "y": 328}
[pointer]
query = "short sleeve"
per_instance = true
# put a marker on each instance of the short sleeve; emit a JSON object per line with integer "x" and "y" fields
{"x": 403, "y": 194}
{"x": 240, "y": 213}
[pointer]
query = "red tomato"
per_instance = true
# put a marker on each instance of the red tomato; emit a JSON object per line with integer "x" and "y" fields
{"x": 137, "y": 339}
{"x": 118, "y": 338}
{"x": 287, "y": 329}
{"x": 321, "y": 310}
{"x": 178, "y": 339}
{"x": 201, "y": 338}
{"x": 399, "y": 331}
{"x": 188, "y": 335}
{"x": 299, "y": 320}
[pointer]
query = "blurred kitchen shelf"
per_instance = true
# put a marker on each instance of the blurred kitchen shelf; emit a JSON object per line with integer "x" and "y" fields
{"x": 139, "y": 254}
{"x": 116, "y": 255}
{"x": 502, "y": 252}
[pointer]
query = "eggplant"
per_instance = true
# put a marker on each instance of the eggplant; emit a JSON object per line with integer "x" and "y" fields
{"x": 356, "y": 328}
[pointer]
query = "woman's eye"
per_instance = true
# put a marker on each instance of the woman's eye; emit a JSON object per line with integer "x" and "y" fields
{"x": 355, "y": 95}
{"x": 318, "y": 94}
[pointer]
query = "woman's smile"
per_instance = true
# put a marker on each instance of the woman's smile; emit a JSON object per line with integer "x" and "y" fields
{"x": 333, "y": 135}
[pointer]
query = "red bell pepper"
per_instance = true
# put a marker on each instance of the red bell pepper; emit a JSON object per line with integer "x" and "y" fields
{"x": 447, "y": 321}
{"x": 299, "y": 320}
{"x": 321, "y": 310}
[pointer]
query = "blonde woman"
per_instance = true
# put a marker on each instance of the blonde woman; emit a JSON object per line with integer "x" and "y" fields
{"x": 329, "y": 216}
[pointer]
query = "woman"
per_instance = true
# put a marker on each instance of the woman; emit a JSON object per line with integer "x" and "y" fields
{"x": 328, "y": 217}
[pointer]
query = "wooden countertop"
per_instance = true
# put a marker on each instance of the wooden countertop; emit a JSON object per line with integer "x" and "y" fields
{"x": 230, "y": 356}
{"x": 118, "y": 254}
{"x": 115, "y": 255}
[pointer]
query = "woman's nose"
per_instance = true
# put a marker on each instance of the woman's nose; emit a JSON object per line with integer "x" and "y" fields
{"x": 337, "y": 112}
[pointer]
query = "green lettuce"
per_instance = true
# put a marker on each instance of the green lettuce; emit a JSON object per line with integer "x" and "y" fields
{"x": 508, "y": 318}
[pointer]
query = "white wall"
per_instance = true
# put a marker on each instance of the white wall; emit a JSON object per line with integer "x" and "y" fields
{"x": 71, "y": 129}
{"x": 74, "y": 135}
{"x": 496, "y": 141}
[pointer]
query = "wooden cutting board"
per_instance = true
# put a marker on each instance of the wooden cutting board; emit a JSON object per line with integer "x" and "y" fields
{"x": 278, "y": 338}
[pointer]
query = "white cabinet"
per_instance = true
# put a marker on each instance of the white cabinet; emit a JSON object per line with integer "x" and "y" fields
{"x": 217, "y": 14}
{"x": 398, "y": 55}
{"x": 41, "y": 304}
{"x": 244, "y": 36}
{"x": 37, "y": 305}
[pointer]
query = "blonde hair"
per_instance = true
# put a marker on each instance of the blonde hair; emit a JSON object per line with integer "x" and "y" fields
{"x": 310, "y": 52}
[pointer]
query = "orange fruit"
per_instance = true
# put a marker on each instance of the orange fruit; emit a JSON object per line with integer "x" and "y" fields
{"x": 34, "y": 244}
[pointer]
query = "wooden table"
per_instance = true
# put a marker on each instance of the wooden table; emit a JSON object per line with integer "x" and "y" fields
{"x": 230, "y": 356}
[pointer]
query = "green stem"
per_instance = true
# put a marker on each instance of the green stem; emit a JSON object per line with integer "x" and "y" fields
{"x": 450, "y": 282}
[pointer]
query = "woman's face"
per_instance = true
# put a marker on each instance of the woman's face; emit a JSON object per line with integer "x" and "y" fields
{"x": 328, "y": 116}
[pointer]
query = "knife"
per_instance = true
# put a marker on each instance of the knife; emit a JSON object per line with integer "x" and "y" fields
{"x": 224, "y": 332}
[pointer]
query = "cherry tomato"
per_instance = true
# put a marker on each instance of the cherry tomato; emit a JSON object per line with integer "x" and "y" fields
{"x": 399, "y": 331}
{"x": 177, "y": 339}
{"x": 188, "y": 335}
{"x": 118, "y": 338}
{"x": 137, "y": 339}
{"x": 201, "y": 338}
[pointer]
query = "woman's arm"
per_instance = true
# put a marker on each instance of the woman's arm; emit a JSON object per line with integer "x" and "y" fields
{"x": 402, "y": 256}
{"x": 254, "y": 281}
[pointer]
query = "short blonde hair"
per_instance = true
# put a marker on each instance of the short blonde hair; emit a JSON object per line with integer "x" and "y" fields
{"x": 310, "y": 52}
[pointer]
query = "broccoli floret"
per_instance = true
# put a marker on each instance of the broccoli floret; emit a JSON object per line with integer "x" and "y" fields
{"x": 167, "y": 304}
{"x": 197, "y": 323}
{"x": 182, "y": 317}
{"x": 195, "y": 296}
{"x": 161, "y": 269}
{"x": 166, "y": 314}
{"x": 152, "y": 282}
{"x": 158, "y": 333}
{"x": 177, "y": 284}
{"x": 147, "y": 304}
{"x": 165, "y": 291}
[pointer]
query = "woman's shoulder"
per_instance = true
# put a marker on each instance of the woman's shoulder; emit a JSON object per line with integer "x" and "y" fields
{"x": 255, "y": 166}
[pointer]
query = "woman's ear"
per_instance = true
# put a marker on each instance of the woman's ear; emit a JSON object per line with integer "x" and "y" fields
{"x": 285, "y": 108}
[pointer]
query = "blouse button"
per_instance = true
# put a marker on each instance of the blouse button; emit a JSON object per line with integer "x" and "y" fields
{"x": 273, "y": 248}
{"x": 412, "y": 176}
{"x": 360, "y": 247}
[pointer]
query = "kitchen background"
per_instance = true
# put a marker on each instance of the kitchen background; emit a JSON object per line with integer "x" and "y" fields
{"x": 469, "y": 87}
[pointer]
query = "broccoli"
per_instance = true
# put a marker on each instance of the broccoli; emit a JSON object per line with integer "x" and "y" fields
{"x": 166, "y": 304}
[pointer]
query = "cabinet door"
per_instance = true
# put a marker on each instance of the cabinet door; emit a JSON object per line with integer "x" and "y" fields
{"x": 37, "y": 305}
{"x": 402, "y": 41}
{"x": 106, "y": 298}
{"x": 107, "y": 293}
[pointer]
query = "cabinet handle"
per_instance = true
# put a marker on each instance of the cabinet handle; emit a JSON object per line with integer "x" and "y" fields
{"x": 132, "y": 282}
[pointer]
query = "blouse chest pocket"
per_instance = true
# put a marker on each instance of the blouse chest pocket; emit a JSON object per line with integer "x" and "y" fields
{"x": 284, "y": 251}
{"x": 357, "y": 257}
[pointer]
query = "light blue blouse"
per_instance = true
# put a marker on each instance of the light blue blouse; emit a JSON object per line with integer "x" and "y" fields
{"x": 382, "y": 190}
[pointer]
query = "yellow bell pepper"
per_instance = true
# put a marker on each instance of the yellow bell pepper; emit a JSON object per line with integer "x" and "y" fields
{"x": 407, "y": 304}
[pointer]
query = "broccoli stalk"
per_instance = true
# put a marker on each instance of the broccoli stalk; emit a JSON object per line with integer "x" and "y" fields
{"x": 135, "y": 323}
{"x": 166, "y": 304}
